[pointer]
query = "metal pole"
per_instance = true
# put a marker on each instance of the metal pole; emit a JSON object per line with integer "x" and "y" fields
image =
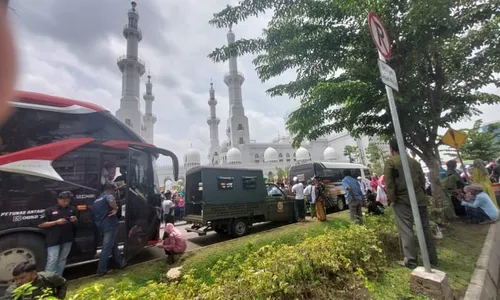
{"x": 409, "y": 182}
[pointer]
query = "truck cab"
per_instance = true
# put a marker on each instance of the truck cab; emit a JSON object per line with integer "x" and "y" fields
{"x": 231, "y": 200}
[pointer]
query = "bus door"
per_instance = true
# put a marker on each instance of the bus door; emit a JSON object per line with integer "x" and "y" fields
{"x": 143, "y": 204}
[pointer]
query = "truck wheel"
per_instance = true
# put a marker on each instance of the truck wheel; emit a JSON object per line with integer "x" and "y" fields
{"x": 16, "y": 248}
{"x": 340, "y": 203}
{"x": 239, "y": 228}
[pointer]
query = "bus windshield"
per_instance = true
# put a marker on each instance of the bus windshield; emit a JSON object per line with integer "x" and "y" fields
{"x": 156, "y": 182}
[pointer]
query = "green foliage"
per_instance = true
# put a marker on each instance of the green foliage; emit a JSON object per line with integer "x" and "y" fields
{"x": 376, "y": 157}
{"x": 482, "y": 145}
{"x": 352, "y": 152}
{"x": 336, "y": 263}
{"x": 27, "y": 290}
{"x": 444, "y": 52}
{"x": 281, "y": 174}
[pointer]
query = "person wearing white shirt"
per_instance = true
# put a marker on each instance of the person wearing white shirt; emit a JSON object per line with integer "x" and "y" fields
{"x": 300, "y": 207}
{"x": 310, "y": 194}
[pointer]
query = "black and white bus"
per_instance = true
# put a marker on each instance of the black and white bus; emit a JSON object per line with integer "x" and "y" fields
{"x": 52, "y": 144}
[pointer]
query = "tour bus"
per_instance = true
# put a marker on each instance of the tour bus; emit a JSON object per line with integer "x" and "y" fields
{"x": 52, "y": 144}
{"x": 331, "y": 174}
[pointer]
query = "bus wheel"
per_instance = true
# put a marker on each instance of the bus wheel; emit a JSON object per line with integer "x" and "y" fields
{"x": 239, "y": 228}
{"x": 17, "y": 248}
{"x": 340, "y": 204}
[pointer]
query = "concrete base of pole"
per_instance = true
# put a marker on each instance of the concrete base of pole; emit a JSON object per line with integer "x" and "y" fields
{"x": 433, "y": 285}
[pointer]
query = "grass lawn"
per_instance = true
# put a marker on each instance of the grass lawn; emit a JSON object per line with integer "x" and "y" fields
{"x": 202, "y": 259}
{"x": 458, "y": 252}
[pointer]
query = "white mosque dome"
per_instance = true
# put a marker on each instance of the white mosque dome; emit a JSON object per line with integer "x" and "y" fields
{"x": 234, "y": 156}
{"x": 270, "y": 155}
{"x": 192, "y": 157}
{"x": 329, "y": 154}
{"x": 302, "y": 154}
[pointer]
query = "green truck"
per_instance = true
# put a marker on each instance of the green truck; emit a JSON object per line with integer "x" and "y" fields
{"x": 230, "y": 200}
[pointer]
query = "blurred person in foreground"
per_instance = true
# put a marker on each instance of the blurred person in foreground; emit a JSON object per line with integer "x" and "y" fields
{"x": 398, "y": 197}
{"x": 44, "y": 283}
{"x": 7, "y": 63}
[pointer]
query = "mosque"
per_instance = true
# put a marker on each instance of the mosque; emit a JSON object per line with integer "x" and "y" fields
{"x": 237, "y": 149}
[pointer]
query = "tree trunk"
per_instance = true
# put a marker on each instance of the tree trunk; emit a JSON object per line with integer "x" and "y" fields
{"x": 442, "y": 210}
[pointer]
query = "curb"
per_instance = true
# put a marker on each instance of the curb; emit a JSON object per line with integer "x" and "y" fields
{"x": 484, "y": 281}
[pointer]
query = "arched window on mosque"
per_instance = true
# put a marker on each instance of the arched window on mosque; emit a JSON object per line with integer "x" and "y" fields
{"x": 288, "y": 157}
{"x": 256, "y": 155}
{"x": 280, "y": 157}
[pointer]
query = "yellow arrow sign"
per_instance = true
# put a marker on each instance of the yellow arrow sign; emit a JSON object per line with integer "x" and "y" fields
{"x": 454, "y": 138}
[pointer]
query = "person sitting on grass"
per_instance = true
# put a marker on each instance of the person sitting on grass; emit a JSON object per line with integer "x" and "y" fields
{"x": 43, "y": 283}
{"x": 173, "y": 242}
{"x": 374, "y": 207}
{"x": 478, "y": 205}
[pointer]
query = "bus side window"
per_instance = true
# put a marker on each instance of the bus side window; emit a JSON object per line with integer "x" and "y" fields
{"x": 81, "y": 166}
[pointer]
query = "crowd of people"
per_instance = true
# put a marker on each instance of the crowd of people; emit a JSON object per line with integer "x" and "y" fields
{"x": 60, "y": 223}
{"x": 172, "y": 206}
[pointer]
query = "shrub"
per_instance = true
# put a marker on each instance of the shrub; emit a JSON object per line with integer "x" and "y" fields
{"x": 336, "y": 264}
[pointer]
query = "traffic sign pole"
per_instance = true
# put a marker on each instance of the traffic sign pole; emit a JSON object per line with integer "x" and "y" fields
{"x": 382, "y": 42}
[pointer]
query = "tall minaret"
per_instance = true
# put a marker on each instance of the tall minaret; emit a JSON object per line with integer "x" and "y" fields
{"x": 237, "y": 124}
{"x": 132, "y": 69}
{"x": 213, "y": 123}
{"x": 149, "y": 117}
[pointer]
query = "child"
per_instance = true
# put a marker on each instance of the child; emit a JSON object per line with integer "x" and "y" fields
{"x": 374, "y": 207}
{"x": 173, "y": 242}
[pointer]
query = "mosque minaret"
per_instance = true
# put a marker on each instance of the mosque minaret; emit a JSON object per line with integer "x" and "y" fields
{"x": 149, "y": 118}
{"x": 132, "y": 69}
{"x": 237, "y": 123}
{"x": 238, "y": 151}
{"x": 213, "y": 123}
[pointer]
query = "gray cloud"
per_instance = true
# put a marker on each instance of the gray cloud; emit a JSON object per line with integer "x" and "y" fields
{"x": 69, "y": 48}
{"x": 86, "y": 25}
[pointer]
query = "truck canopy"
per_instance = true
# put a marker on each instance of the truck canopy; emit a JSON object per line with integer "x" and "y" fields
{"x": 225, "y": 185}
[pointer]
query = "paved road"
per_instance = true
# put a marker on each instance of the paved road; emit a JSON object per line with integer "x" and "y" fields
{"x": 193, "y": 241}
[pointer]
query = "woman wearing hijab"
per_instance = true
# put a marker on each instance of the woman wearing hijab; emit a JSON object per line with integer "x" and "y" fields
{"x": 173, "y": 242}
{"x": 480, "y": 176}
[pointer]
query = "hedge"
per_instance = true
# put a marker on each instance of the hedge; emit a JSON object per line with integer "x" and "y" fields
{"x": 337, "y": 264}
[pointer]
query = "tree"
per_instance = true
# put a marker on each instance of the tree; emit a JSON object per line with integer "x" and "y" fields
{"x": 352, "y": 152}
{"x": 280, "y": 173}
{"x": 482, "y": 145}
{"x": 376, "y": 157}
{"x": 443, "y": 53}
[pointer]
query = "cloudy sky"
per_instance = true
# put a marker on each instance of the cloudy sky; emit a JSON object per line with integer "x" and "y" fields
{"x": 70, "y": 48}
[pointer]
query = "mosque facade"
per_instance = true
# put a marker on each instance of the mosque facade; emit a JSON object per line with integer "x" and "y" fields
{"x": 237, "y": 150}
